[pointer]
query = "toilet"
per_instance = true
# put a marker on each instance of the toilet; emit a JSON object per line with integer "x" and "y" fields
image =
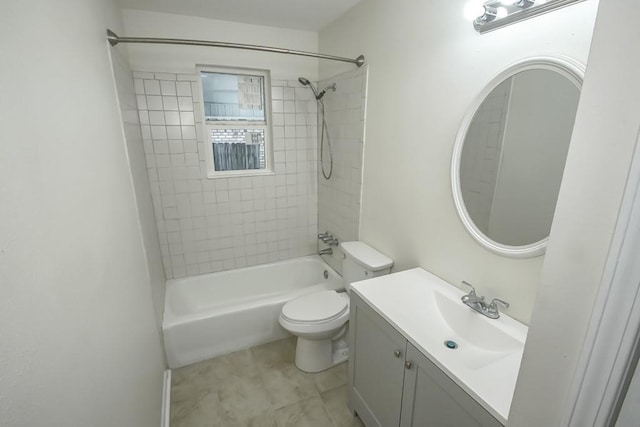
{"x": 320, "y": 320}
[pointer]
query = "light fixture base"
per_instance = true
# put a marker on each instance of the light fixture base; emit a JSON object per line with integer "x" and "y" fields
{"x": 521, "y": 10}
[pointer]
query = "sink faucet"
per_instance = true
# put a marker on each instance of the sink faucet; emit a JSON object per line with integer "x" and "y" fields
{"x": 480, "y": 305}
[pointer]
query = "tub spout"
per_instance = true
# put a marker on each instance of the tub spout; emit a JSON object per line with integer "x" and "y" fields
{"x": 327, "y": 251}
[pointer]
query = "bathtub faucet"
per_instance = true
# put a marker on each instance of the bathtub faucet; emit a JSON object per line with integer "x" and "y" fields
{"x": 327, "y": 251}
{"x": 328, "y": 239}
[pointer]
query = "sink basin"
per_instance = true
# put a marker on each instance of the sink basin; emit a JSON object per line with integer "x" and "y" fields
{"x": 480, "y": 342}
{"x": 428, "y": 311}
{"x": 473, "y": 327}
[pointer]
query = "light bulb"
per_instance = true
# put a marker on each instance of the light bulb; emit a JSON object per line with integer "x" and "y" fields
{"x": 473, "y": 9}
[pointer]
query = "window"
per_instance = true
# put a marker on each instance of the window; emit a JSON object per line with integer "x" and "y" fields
{"x": 236, "y": 106}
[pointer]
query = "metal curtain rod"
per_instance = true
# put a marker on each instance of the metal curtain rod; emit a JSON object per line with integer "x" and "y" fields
{"x": 114, "y": 39}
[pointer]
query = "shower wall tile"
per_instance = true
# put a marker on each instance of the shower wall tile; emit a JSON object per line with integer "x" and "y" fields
{"x": 208, "y": 225}
{"x": 339, "y": 197}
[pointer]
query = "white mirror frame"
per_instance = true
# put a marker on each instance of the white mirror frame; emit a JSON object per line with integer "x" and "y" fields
{"x": 569, "y": 68}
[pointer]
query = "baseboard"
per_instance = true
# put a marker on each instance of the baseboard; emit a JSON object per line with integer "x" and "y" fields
{"x": 166, "y": 399}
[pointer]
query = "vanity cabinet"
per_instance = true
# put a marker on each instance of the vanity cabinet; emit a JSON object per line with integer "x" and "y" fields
{"x": 376, "y": 367}
{"x": 431, "y": 398}
{"x": 391, "y": 383}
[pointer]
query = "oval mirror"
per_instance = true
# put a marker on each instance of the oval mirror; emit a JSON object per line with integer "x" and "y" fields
{"x": 510, "y": 153}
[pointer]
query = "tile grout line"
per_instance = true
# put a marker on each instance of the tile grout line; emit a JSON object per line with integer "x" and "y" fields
{"x": 324, "y": 406}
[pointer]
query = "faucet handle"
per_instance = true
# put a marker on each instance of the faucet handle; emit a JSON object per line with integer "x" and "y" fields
{"x": 471, "y": 297}
{"x": 473, "y": 290}
{"x": 322, "y": 236}
{"x": 492, "y": 309}
{"x": 496, "y": 301}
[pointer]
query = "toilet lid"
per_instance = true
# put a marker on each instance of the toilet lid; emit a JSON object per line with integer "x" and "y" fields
{"x": 315, "y": 307}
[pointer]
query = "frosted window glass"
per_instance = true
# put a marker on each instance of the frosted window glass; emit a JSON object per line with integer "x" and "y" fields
{"x": 233, "y": 96}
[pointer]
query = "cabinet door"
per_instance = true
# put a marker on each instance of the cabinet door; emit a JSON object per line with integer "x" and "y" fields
{"x": 376, "y": 367}
{"x": 431, "y": 398}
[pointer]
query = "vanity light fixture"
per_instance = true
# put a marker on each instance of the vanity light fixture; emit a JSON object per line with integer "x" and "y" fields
{"x": 493, "y": 14}
{"x": 526, "y": 3}
{"x": 490, "y": 13}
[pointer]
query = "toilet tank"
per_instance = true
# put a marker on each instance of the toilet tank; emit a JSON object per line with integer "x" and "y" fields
{"x": 362, "y": 262}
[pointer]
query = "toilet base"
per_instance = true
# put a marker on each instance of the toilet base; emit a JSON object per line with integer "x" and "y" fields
{"x": 320, "y": 355}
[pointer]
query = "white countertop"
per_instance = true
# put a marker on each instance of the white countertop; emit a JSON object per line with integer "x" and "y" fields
{"x": 487, "y": 362}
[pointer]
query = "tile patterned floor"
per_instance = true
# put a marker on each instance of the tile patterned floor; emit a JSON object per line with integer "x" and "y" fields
{"x": 259, "y": 387}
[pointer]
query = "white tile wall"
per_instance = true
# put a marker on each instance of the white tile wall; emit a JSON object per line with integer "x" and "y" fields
{"x": 207, "y": 225}
{"x": 339, "y": 197}
{"x": 480, "y": 158}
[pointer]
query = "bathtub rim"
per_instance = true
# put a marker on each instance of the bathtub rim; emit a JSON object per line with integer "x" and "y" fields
{"x": 171, "y": 319}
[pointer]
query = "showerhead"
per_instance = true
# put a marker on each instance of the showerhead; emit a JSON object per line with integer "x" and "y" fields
{"x": 332, "y": 87}
{"x": 318, "y": 96}
{"x": 306, "y": 82}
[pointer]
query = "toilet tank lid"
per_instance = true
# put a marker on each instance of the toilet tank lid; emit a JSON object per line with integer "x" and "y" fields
{"x": 366, "y": 256}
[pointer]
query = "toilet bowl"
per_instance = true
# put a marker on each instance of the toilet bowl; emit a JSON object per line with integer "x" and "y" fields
{"x": 317, "y": 320}
{"x": 320, "y": 319}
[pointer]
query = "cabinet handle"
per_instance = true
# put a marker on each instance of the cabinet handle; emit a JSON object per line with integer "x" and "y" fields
{"x": 397, "y": 353}
{"x": 408, "y": 364}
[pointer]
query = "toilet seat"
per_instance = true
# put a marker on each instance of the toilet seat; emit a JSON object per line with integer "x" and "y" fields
{"x": 316, "y": 312}
{"x": 318, "y": 307}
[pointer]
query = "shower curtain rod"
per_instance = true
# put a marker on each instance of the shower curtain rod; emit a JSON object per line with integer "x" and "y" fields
{"x": 114, "y": 39}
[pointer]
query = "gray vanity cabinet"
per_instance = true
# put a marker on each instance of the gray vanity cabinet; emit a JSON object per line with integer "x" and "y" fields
{"x": 391, "y": 383}
{"x": 431, "y": 398}
{"x": 376, "y": 367}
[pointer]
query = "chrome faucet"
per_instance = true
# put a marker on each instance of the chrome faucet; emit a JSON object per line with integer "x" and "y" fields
{"x": 332, "y": 242}
{"x": 492, "y": 310}
{"x": 328, "y": 239}
{"x": 472, "y": 299}
{"x": 327, "y": 251}
{"x": 480, "y": 305}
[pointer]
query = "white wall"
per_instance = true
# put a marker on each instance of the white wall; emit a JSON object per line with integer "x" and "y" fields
{"x": 182, "y": 59}
{"x": 79, "y": 341}
{"x": 601, "y": 150}
{"x": 426, "y": 66}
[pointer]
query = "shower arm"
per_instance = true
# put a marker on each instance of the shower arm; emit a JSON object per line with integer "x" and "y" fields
{"x": 114, "y": 39}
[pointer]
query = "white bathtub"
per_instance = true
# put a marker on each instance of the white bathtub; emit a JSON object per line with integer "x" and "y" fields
{"x": 214, "y": 314}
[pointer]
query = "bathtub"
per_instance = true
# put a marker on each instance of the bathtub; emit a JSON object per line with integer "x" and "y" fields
{"x": 214, "y": 314}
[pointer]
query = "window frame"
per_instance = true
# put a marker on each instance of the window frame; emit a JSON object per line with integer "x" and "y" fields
{"x": 237, "y": 124}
